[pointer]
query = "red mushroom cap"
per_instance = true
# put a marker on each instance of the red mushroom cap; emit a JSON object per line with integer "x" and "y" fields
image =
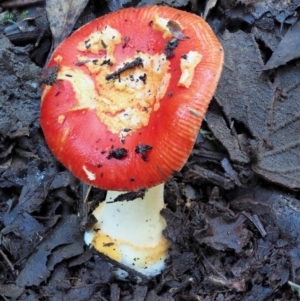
{"x": 131, "y": 91}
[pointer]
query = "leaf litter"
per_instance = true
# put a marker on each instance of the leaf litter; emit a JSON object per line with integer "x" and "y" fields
{"x": 262, "y": 115}
{"x": 62, "y": 16}
{"x": 288, "y": 48}
{"x": 233, "y": 236}
{"x": 281, "y": 10}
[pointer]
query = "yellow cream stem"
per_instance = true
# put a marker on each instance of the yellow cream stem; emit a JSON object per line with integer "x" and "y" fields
{"x": 130, "y": 232}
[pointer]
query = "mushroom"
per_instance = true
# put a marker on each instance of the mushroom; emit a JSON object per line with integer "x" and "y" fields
{"x": 131, "y": 90}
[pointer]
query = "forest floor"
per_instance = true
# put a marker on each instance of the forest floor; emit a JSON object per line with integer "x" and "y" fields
{"x": 233, "y": 212}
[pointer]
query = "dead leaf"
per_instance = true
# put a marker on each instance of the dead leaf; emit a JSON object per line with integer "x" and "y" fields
{"x": 62, "y": 16}
{"x": 278, "y": 9}
{"x": 287, "y": 50}
{"x": 273, "y": 208}
{"x": 183, "y": 262}
{"x": 114, "y": 5}
{"x": 244, "y": 92}
{"x": 194, "y": 5}
{"x": 176, "y": 30}
{"x": 18, "y": 88}
{"x": 33, "y": 194}
{"x": 21, "y": 225}
{"x": 64, "y": 252}
{"x": 119, "y": 4}
{"x": 140, "y": 292}
{"x": 258, "y": 292}
{"x": 174, "y": 232}
{"x": 60, "y": 288}
{"x": 174, "y": 3}
{"x": 282, "y": 211}
{"x": 36, "y": 270}
{"x": 224, "y": 232}
{"x": 280, "y": 160}
{"x": 264, "y": 118}
{"x": 230, "y": 172}
{"x": 203, "y": 175}
{"x": 271, "y": 37}
{"x": 11, "y": 290}
{"x": 218, "y": 126}
{"x": 209, "y": 5}
{"x": 19, "y": 3}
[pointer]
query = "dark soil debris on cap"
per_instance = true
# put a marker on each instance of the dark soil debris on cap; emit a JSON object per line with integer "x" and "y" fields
{"x": 118, "y": 153}
{"x": 143, "y": 149}
{"x": 170, "y": 47}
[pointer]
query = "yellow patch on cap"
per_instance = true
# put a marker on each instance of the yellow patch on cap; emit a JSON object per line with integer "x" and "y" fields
{"x": 187, "y": 66}
{"x": 103, "y": 40}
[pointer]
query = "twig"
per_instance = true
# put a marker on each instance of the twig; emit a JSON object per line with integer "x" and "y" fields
{"x": 257, "y": 223}
{"x": 87, "y": 193}
{"x": 4, "y": 298}
{"x": 8, "y": 262}
{"x": 212, "y": 267}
